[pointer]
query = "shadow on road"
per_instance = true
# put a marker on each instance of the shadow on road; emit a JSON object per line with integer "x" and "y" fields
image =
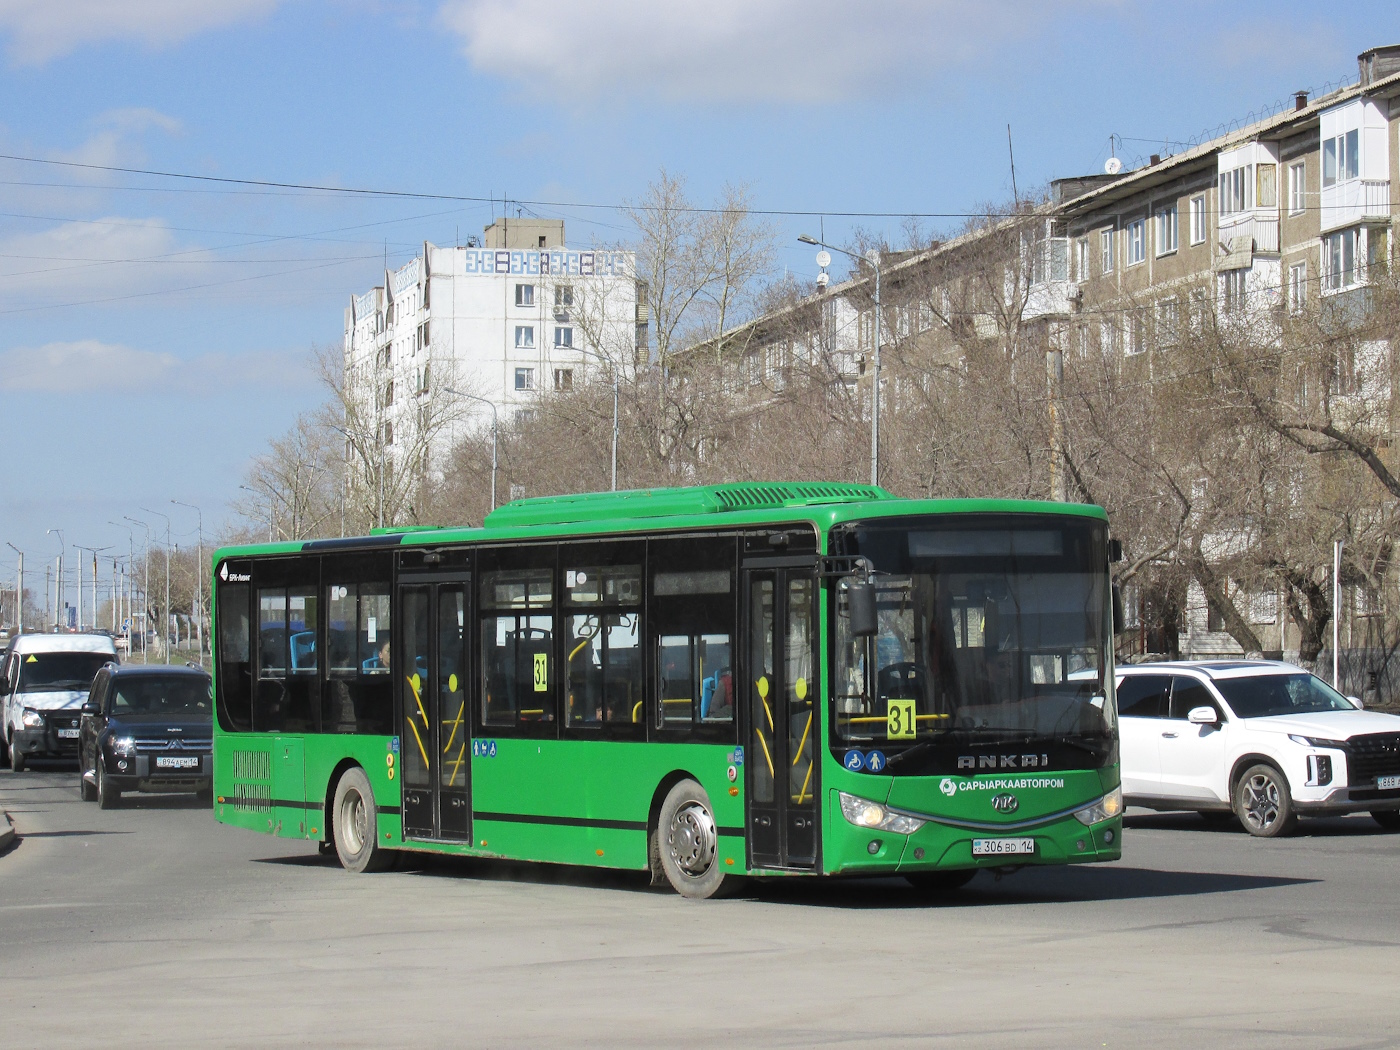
{"x": 70, "y": 834}
{"x": 1359, "y": 824}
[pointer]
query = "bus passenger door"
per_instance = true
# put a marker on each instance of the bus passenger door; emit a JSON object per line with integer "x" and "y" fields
{"x": 435, "y": 722}
{"x": 781, "y": 692}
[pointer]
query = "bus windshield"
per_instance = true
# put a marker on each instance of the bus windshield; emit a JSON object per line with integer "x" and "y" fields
{"x": 992, "y": 646}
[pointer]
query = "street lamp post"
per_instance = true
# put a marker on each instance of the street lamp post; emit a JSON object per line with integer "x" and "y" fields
{"x": 165, "y": 627}
{"x": 94, "y": 551}
{"x": 873, "y": 258}
{"x": 199, "y": 579}
{"x": 609, "y": 362}
{"x": 494, "y": 434}
{"x": 146, "y": 586}
{"x": 58, "y": 587}
{"x": 249, "y": 488}
{"x": 130, "y": 565}
{"x": 19, "y": 595}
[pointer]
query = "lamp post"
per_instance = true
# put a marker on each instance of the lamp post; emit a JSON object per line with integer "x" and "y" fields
{"x": 58, "y": 586}
{"x": 165, "y": 627}
{"x": 146, "y": 586}
{"x": 249, "y": 488}
{"x": 494, "y": 434}
{"x": 19, "y": 595}
{"x": 94, "y": 551}
{"x": 130, "y": 565}
{"x": 199, "y": 579}
{"x": 873, "y": 258}
{"x": 609, "y": 362}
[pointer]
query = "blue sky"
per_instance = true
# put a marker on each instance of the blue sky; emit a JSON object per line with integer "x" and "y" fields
{"x": 154, "y": 332}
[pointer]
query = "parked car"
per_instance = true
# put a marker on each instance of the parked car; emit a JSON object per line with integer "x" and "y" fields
{"x": 1263, "y": 739}
{"x": 45, "y": 679}
{"x": 146, "y": 728}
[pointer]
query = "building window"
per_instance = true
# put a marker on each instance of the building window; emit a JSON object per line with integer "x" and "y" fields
{"x": 1106, "y": 251}
{"x": 1198, "y": 219}
{"x": 1297, "y": 286}
{"x": 1196, "y": 307}
{"x": 1166, "y": 230}
{"x": 1266, "y": 186}
{"x": 1297, "y": 193}
{"x": 1081, "y": 259}
{"x": 1234, "y": 190}
{"x": 524, "y": 337}
{"x": 524, "y": 379}
{"x": 563, "y": 379}
{"x": 563, "y": 296}
{"x": 1339, "y": 158}
{"x": 1339, "y": 260}
{"x": 388, "y": 393}
{"x": 1377, "y": 249}
{"x": 563, "y": 337}
{"x": 1136, "y": 333}
{"x": 388, "y": 433}
{"x": 1233, "y": 289}
{"x": 524, "y": 295}
{"x": 1168, "y": 322}
{"x": 1136, "y": 234}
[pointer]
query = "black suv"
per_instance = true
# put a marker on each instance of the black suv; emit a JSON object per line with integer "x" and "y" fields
{"x": 146, "y": 728}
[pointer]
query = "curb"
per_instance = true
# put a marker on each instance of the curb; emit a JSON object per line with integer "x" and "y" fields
{"x": 7, "y": 832}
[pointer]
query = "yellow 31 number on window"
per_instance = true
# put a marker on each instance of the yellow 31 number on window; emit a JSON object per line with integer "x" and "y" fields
{"x": 900, "y": 720}
{"x": 541, "y": 672}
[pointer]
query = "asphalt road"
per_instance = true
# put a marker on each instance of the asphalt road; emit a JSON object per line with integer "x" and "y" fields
{"x": 151, "y": 925}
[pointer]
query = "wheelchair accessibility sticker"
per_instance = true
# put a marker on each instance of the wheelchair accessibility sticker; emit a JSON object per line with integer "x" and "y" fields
{"x": 483, "y": 749}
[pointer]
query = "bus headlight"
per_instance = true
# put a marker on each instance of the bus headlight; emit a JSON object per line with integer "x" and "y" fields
{"x": 32, "y": 719}
{"x": 1106, "y": 808}
{"x": 866, "y": 814}
{"x": 122, "y": 746}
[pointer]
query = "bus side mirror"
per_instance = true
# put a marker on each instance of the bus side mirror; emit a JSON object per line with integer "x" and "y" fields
{"x": 1117, "y": 610}
{"x": 860, "y": 601}
{"x": 1115, "y": 551}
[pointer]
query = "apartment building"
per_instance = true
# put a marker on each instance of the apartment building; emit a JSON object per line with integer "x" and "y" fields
{"x": 1271, "y": 217}
{"x": 518, "y": 314}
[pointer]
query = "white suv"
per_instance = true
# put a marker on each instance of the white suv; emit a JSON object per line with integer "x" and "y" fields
{"x": 1264, "y": 739}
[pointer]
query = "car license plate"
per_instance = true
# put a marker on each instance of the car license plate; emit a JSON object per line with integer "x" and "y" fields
{"x": 177, "y": 762}
{"x": 1001, "y": 847}
{"x": 68, "y": 734}
{"x": 1387, "y": 783}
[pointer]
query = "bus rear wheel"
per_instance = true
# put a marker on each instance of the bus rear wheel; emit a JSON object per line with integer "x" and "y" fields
{"x": 356, "y": 826}
{"x": 688, "y": 843}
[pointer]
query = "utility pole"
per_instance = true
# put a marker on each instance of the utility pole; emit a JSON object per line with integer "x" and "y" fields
{"x": 199, "y": 578}
{"x": 1055, "y": 369}
{"x": 19, "y": 595}
{"x": 58, "y": 594}
{"x": 1336, "y": 615}
{"x": 165, "y": 629}
{"x": 94, "y": 551}
{"x": 146, "y": 587}
{"x": 491, "y": 405}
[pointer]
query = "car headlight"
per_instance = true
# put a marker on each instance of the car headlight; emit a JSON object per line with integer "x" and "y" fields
{"x": 866, "y": 814}
{"x": 122, "y": 746}
{"x": 1106, "y": 808}
{"x": 32, "y": 719}
{"x": 1317, "y": 741}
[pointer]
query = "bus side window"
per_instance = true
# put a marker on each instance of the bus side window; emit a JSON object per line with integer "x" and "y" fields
{"x": 303, "y": 684}
{"x": 517, "y": 647}
{"x": 692, "y": 619}
{"x": 270, "y": 697}
{"x": 235, "y": 668}
{"x": 358, "y": 696}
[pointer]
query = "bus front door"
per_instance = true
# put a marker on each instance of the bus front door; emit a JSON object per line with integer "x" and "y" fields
{"x": 435, "y": 722}
{"x": 782, "y": 689}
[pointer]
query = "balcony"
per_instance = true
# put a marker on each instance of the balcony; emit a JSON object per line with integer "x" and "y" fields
{"x": 1260, "y": 226}
{"x": 1353, "y": 201}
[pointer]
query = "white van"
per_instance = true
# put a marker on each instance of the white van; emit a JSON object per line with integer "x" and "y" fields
{"x": 44, "y": 682}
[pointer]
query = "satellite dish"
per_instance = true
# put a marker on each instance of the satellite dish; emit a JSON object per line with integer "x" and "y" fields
{"x": 823, "y": 258}
{"x": 1112, "y": 166}
{"x": 822, "y": 279}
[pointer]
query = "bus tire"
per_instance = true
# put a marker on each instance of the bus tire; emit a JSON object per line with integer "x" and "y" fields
{"x": 356, "y": 825}
{"x": 939, "y": 883}
{"x": 689, "y": 844}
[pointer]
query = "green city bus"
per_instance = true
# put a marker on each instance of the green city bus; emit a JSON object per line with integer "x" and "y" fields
{"x": 707, "y": 683}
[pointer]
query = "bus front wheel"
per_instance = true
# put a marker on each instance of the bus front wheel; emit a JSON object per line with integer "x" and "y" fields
{"x": 356, "y": 826}
{"x": 688, "y": 843}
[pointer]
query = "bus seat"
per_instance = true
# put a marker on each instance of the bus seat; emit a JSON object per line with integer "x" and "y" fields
{"x": 303, "y": 651}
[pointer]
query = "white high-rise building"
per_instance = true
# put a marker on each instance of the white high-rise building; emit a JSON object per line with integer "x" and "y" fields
{"x": 519, "y": 315}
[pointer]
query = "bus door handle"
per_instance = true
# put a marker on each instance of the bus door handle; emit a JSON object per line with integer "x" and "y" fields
{"x": 1171, "y": 735}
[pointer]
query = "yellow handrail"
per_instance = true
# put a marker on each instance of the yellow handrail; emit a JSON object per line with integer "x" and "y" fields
{"x": 803, "y": 741}
{"x": 636, "y": 711}
{"x": 412, "y": 725}
{"x": 764, "y": 744}
{"x": 454, "y": 724}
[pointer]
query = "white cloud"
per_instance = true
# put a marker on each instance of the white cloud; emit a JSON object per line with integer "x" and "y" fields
{"x": 92, "y": 365}
{"x": 803, "y": 51}
{"x": 40, "y": 30}
{"x": 80, "y": 261}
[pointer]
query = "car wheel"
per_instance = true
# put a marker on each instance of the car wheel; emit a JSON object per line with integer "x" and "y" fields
{"x": 4, "y": 748}
{"x": 108, "y": 797}
{"x": 939, "y": 883}
{"x": 17, "y": 762}
{"x": 1263, "y": 803}
{"x": 1387, "y": 818}
{"x": 356, "y": 825}
{"x": 688, "y": 843}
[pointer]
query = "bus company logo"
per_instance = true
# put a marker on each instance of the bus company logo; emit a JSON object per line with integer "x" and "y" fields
{"x": 1003, "y": 761}
{"x": 948, "y": 787}
{"x": 1005, "y": 803}
{"x": 232, "y": 577}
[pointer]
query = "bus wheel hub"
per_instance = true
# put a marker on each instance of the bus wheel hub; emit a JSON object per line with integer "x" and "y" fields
{"x": 692, "y": 839}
